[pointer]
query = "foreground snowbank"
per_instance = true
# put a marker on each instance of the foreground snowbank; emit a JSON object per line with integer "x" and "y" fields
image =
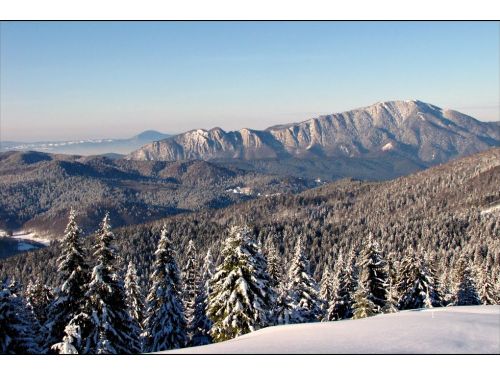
{"x": 468, "y": 329}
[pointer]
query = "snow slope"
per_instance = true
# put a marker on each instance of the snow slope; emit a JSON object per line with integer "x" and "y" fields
{"x": 467, "y": 329}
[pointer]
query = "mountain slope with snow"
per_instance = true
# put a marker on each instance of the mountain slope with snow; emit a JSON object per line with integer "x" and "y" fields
{"x": 464, "y": 329}
{"x": 411, "y": 130}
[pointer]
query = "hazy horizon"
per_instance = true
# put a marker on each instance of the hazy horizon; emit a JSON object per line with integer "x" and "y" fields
{"x": 63, "y": 81}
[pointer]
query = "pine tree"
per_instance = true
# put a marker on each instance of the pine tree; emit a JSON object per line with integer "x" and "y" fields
{"x": 189, "y": 282}
{"x": 302, "y": 296}
{"x": 38, "y": 298}
{"x": 134, "y": 296}
{"x": 284, "y": 308}
{"x": 274, "y": 266}
{"x": 363, "y": 307}
{"x": 73, "y": 274}
{"x": 241, "y": 296}
{"x": 201, "y": 324}
{"x": 341, "y": 306}
{"x": 326, "y": 292}
{"x": 108, "y": 327}
{"x": 17, "y": 324}
{"x": 375, "y": 277}
{"x": 165, "y": 325}
{"x": 464, "y": 289}
{"x": 416, "y": 287}
{"x": 486, "y": 289}
{"x": 391, "y": 306}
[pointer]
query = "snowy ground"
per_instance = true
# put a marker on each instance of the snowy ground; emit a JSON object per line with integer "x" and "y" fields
{"x": 31, "y": 236}
{"x": 468, "y": 329}
{"x": 26, "y": 241}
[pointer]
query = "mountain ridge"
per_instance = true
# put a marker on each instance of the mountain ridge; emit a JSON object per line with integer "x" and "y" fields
{"x": 411, "y": 129}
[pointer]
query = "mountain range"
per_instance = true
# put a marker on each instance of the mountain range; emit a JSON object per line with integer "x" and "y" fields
{"x": 413, "y": 131}
{"x": 109, "y": 147}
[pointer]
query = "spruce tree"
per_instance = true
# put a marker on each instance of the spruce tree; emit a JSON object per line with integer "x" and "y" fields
{"x": 486, "y": 289}
{"x": 108, "y": 327}
{"x": 416, "y": 288}
{"x": 326, "y": 292}
{"x": 73, "y": 274}
{"x": 201, "y": 324}
{"x": 391, "y": 306}
{"x": 165, "y": 324}
{"x": 374, "y": 273}
{"x": 363, "y": 306}
{"x": 240, "y": 297}
{"x": 302, "y": 297}
{"x": 464, "y": 289}
{"x": 274, "y": 266}
{"x": 341, "y": 306}
{"x": 189, "y": 282}
{"x": 283, "y": 309}
{"x": 38, "y": 298}
{"x": 17, "y": 323}
{"x": 134, "y": 296}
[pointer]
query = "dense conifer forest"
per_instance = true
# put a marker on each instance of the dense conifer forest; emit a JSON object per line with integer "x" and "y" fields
{"x": 348, "y": 249}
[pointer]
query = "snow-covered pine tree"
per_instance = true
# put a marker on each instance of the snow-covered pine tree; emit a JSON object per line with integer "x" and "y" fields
{"x": 240, "y": 298}
{"x": 283, "y": 308}
{"x": 134, "y": 296}
{"x": 70, "y": 342}
{"x": 416, "y": 287}
{"x": 341, "y": 306}
{"x": 109, "y": 328}
{"x": 375, "y": 277}
{"x": 201, "y": 324}
{"x": 17, "y": 323}
{"x": 363, "y": 306}
{"x": 464, "y": 289}
{"x": 38, "y": 298}
{"x": 436, "y": 294}
{"x": 391, "y": 306}
{"x": 485, "y": 287}
{"x": 326, "y": 292}
{"x": 165, "y": 325}
{"x": 189, "y": 276}
{"x": 73, "y": 274}
{"x": 302, "y": 296}
{"x": 274, "y": 267}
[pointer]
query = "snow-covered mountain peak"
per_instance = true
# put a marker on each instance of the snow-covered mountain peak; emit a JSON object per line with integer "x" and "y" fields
{"x": 422, "y": 131}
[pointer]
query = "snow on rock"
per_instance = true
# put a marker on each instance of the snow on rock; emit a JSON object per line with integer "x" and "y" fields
{"x": 387, "y": 147}
{"x": 491, "y": 209}
{"x": 464, "y": 329}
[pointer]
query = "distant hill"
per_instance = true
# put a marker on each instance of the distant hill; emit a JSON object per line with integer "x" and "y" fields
{"x": 87, "y": 147}
{"x": 38, "y": 189}
{"x": 394, "y": 138}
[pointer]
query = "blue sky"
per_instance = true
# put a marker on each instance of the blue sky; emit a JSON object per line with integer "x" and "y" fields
{"x": 71, "y": 80}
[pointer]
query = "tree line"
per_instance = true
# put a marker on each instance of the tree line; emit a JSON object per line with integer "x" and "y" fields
{"x": 98, "y": 306}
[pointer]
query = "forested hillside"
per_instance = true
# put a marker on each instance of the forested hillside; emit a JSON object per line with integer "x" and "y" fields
{"x": 37, "y": 189}
{"x": 349, "y": 249}
{"x": 438, "y": 209}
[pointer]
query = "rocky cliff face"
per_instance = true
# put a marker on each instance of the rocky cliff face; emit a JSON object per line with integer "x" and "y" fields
{"x": 411, "y": 129}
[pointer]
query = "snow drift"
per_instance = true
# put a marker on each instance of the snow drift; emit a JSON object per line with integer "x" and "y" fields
{"x": 467, "y": 329}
